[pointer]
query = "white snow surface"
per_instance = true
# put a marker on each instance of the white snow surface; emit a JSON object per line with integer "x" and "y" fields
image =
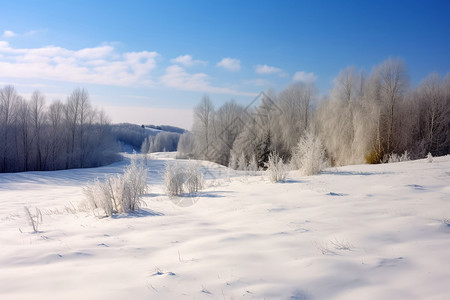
{"x": 354, "y": 232}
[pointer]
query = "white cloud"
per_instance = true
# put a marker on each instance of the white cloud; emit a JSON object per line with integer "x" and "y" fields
{"x": 98, "y": 65}
{"x": 265, "y": 69}
{"x": 304, "y": 77}
{"x": 94, "y": 53}
{"x": 9, "y": 34}
{"x": 177, "y": 77}
{"x": 231, "y": 64}
{"x": 187, "y": 61}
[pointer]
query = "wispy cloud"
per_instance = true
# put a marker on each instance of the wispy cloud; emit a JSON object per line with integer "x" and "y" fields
{"x": 187, "y": 61}
{"x": 265, "y": 69}
{"x": 98, "y": 65}
{"x": 231, "y": 64}
{"x": 304, "y": 77}
{"x": 176, "y": 77}
{"x": 9, "y": 34}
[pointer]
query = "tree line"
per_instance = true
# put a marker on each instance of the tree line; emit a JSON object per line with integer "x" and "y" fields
{"x": 35, "y": 136}
{"x": 364, "y": 118}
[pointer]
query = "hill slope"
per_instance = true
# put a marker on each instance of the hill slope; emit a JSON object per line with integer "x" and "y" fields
{"x": 356, "y": 232}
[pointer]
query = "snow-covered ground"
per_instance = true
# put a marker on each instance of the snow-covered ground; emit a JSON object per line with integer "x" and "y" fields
{"x": 356, "y": 232}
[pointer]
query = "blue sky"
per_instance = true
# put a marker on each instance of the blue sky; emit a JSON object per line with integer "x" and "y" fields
{"x": 152, "y": 61}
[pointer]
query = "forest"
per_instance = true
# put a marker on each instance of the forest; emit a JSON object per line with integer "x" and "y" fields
{"x": 35, "y": 136}
{"x": 363, "y": 119}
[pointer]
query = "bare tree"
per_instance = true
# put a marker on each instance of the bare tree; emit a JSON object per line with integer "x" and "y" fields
{"x": 56, "y": 131}
{"x": 392, "y": 79}
{"x": 434, "y": 112}
{"x": 24, "y": 134}
{"x": 203, "y": 121}
{"x": 8, "y": 100}
{"x": 229, "y": 121}
{"x": 336, "y": 119}
{"x": 78, "y": 116}
{"x": 38, "y": 119}
{"x": 294, "y": 102}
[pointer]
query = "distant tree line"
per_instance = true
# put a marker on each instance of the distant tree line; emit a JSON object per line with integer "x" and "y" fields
{"x": 167, "y": 128}
{"x": 365, "y": 118}
{"x": 162, "y": 142}
{"x": 148, "y": 138}
{"x": 129, "y": 134}
{"x": 35, "y": 136}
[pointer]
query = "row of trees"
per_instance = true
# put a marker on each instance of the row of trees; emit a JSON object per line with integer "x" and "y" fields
{"x": 365, "y": 118}
{"x": 370, "y": 118}
{"x": 162, "y": 142}
{"x": 62, "y": 135}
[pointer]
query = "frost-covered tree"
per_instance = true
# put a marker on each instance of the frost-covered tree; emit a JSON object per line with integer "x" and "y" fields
{"x": 186, "y": 145}
{"x": 228, "y": 123}
{"x": 38, "y": 119}
{"x": 203, "y": 127}
{"x": 434, "y": 121}
{"x": 242, "y": 162}
{"x": 8, "y": 103}
{"x": 294, "y": 102}
{"x": 339, "y": 121}
{"x": 34, "y": 136}
{"x": 165, "y": 142}
{"x": 309, "y": 155}
{"x": 391, "y": 78}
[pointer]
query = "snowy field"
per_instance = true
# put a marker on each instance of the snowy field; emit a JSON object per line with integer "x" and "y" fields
{"x": 355, "y": 232}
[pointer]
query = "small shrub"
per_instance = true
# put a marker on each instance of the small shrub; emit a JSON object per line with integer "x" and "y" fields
{"x": 373, "y": 157}
{"x": 174, "y": 178}
{"x": 429, "y": 157}
{"x": 252, "y": 167}
{"x": 118, "y": 193}
{"x": 276, "y": 169}
{"x": 135, "y": 185}
{"x": 194, "y": 178}
{"x": 179, "y": 180}
{"x": 99, "y": 198}
{"x": 35, "y": 220}
{"x": 394, "y": 157}
{"x": 309, "y": 155}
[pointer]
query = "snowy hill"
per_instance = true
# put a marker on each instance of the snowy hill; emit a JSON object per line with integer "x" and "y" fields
{"x": 355, "y": 232}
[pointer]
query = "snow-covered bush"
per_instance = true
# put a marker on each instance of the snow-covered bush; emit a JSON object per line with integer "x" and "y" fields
{"x": 135, "y": 185}
{"x": 98, "y": 197}
{"x": 194, "y": 178}
{"x": 252, "y": 167}
{"x": 394, "y": 157}
{"x": 276, "y": 169}
{"x": 174, "y": 178}
{"x": 179, "y": 180}
{"x": 35, "y": 220}
{"x": 118, "y": 193}
{"x": 429, "y": 157}
{"x": 309, "y": 155}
